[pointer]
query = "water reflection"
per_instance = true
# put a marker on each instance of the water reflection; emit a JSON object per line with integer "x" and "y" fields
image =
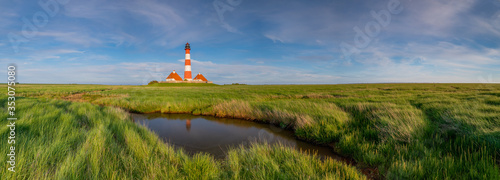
{"x": 215, "y": 135}
{"x": 188, "y": 124}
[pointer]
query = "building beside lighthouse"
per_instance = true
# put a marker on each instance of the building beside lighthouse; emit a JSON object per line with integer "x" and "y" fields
{"x": 200, "y": 77}
{"x": 176, "y": 78}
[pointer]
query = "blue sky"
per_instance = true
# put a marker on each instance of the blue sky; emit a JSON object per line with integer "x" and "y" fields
{"x": 252, "y": 41}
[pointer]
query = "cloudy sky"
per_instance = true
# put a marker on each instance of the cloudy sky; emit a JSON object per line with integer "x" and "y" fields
{"x": 252, "y": 41}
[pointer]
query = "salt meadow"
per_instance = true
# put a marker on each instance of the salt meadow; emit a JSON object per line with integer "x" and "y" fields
{"x": 393, "y": 131}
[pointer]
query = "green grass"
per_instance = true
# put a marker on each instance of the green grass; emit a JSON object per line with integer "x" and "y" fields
{"x": 406, "y": 131}
{"x": 72, "y": 140}
{"x": 182, "y": 84}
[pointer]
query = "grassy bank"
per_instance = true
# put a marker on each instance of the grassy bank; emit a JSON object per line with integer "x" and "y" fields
{"x": 59, "y": 139}
{"x": 405, "y": 130}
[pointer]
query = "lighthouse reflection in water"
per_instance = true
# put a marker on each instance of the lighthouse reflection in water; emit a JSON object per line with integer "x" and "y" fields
{"x": 216, "y": 135}
{"x": 188, "y": 124}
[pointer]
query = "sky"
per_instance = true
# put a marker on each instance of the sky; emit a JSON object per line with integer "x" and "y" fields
{"x": 252, "y": 41}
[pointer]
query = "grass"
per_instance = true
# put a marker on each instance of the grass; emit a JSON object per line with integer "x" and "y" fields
{"x": 182, "y": 84}
{"x": 406, "y": 131}
{"x": 59, "y": 139}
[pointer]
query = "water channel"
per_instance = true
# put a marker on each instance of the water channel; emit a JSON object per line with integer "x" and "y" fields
{"x": 216, "y": 135}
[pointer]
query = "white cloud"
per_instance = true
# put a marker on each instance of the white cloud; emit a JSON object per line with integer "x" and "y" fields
{"x": 257, "y": 74}
{"x": 440, "y": 54}
{"x": 120, "y": 73}
{"x": 161, "y": 23}
{"x": 142, "y": 73}
{"x": 274, "y": 38}
{"x": 438, "y": 16}
{"x": 304, "y": 22}
{"x": 159, "y": 14}
{"x": 63, "y": 51}
{"x": 79, "y": 38}
{"x": 427, "y": 37}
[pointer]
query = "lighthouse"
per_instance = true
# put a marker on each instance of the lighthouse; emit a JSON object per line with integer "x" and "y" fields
{"x": 187, "y": 64}
{"x": 188, "y": 78}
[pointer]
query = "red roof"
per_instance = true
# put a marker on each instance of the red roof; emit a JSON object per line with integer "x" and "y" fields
{"x": 200, "y": 77}
{"x": 174, "y": 76}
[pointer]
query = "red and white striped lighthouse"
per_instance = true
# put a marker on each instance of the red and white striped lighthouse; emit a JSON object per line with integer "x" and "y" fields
{"x": 187, "y": 68}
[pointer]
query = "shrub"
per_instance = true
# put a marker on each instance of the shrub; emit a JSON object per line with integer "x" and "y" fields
{"x": 153, "y": 82}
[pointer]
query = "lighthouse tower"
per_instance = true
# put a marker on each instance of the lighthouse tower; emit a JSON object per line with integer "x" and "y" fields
{"x": 187, "y": 68}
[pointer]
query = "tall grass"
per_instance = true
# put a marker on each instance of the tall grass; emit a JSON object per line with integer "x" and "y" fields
{"x": 59, "y": 139}
{"x": 404, "y": 130}
{"x": 262, "y": 161}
